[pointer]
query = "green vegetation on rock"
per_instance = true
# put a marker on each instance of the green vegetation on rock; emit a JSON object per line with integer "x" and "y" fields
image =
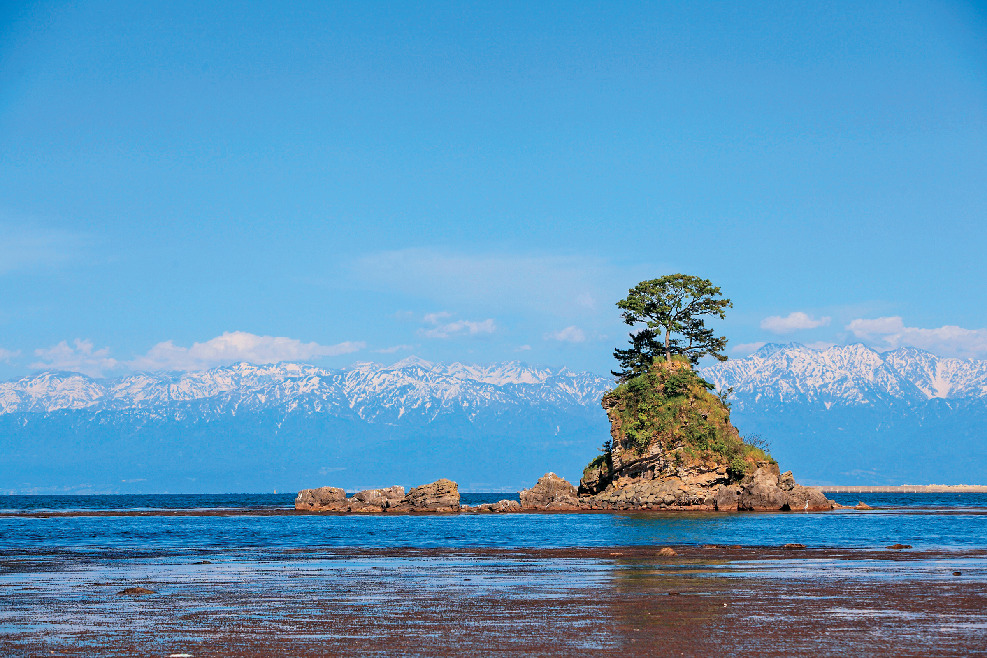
{"x": 674, "y": 408}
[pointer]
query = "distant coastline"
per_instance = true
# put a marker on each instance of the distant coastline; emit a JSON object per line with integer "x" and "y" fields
{"x": 906, "y": 488}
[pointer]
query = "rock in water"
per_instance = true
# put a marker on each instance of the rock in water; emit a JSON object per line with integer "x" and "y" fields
{"x": 550, "y": 492}
{"x": 439, "y": 496}
{"x": 760, "y": 492}
{"x": 377, "y": 496}
{"x": 500, "y": 506}
{"x": 323, "y": 499}
{"x": 767, "y": 489}
{"x": 672, "y": 446}
{"x": 807, "y": 499}
{"x": 506, "y": 505}
{"x": 376, "y": 500}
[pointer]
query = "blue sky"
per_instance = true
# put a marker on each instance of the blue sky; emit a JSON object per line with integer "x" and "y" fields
{"x": 188, "y": 184}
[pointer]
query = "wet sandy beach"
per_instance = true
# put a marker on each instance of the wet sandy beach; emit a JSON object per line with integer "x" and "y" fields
{"x": 421, "y": 602}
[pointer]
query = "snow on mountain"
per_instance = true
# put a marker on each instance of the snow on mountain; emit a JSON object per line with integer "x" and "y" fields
{"x": 846, "y": 375}
{"x": 775, "y": 374}
{"x": 845, "y": 414}
{"x": 371, "y": 391}
{"x": 50, "y": 391}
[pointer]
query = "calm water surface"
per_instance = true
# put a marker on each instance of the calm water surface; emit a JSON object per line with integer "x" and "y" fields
{"x": 950, "y": 521}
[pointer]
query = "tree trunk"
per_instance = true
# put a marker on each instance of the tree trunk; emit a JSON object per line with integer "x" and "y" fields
{"x": 668, "y": 349}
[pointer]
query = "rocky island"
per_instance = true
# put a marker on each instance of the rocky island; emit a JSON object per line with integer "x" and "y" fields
{"x": 671, "y": 447}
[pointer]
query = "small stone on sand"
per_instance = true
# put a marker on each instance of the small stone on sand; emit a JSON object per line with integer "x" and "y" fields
{"x": 136, "y": 591}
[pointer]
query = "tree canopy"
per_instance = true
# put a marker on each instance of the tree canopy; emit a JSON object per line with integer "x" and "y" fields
{"x": 673, "y": 310}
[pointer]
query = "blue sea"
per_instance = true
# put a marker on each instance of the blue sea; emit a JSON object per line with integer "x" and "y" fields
{"x": 934, "y": 521}
{"x": 244, "y": 575}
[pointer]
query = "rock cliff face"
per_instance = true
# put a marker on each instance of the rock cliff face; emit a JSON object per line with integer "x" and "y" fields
{"x": 672, "y": 446}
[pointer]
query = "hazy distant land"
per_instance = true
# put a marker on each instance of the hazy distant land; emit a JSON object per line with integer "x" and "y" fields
{"x": 906, "y": 488}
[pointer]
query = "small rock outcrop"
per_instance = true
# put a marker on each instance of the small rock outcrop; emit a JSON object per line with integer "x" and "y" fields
{"x": 322, "y": 499}
{"x": 767, "y": 490}
{"x": 439, "y": 496}
{"x": 500, "y": 506}
{"x": 376, "y": 500}
{"x": 550, "y": 493}
{"x": 672, "y": 446}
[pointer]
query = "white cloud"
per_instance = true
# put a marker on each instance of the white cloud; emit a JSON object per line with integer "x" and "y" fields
{"x": 78, "y": 357}
{"x": 7, "y": 355}
{"x": 793, "y": 322}
{"x": 523, "y": 348}
{"x": 949, "y": 340}
{"x": 862, "y": 328}
{"x": 743, "y": 349}
{"x": 570, "y": 334}
{"x": 456, "y": 328}
{"x": 235, "y": 346}
{"x": 436, "y": 318}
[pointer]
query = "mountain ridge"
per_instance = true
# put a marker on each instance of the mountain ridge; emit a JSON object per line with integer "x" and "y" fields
{"x": 358, "y": 387}
{"x": 842, "y": 415}
{"x": 848, "y": 374}
{"x": 782, "y": 373}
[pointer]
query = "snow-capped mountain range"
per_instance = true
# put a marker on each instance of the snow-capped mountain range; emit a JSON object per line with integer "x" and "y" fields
{"x": 847, "y": 415}
{"x": 289, "y": 426}
{"x": 850, "y": 375}
{"x": 368, "y": 390}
